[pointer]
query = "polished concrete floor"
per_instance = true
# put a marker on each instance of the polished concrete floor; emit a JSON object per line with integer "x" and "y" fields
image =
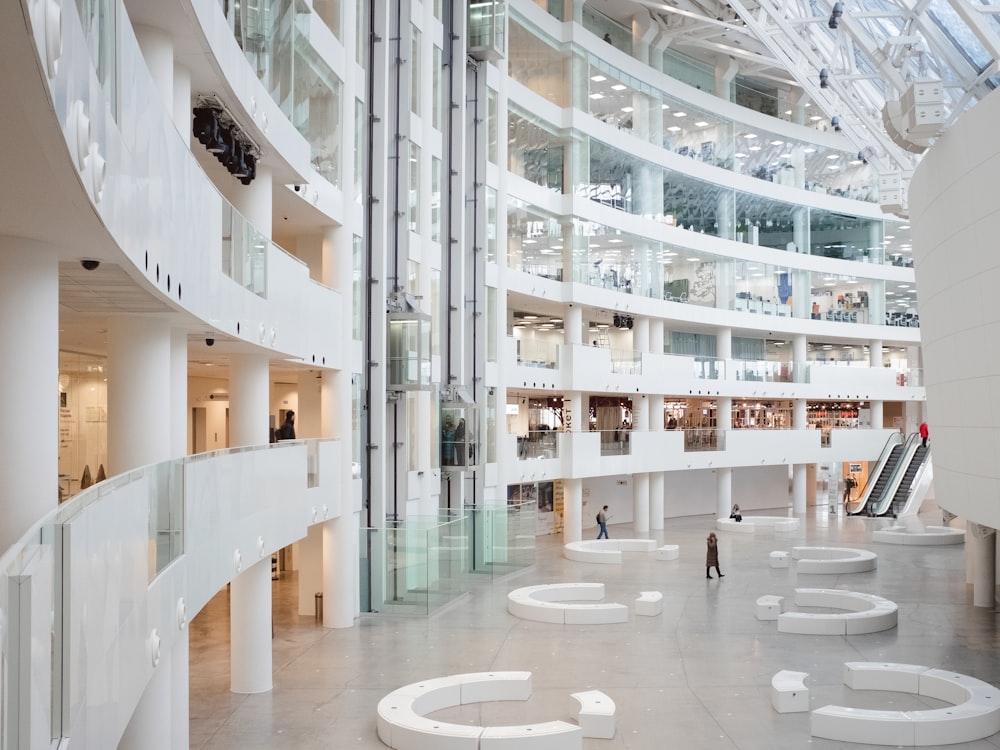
{"x": 695, "y": 677}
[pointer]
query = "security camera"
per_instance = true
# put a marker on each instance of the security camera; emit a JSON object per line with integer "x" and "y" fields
{"x": 209, "y": 341}
{"x": 824, "y": 78}
{"x": 89, "y": 264}
{"x": 298, "y": 188}
{"x": 836, "y": 124}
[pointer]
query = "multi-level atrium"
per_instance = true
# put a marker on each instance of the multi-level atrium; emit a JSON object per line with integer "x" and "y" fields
{"x": 496, "y": 264}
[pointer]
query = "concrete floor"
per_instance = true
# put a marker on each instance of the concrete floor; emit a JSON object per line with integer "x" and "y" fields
{"x": 695, "y": 677}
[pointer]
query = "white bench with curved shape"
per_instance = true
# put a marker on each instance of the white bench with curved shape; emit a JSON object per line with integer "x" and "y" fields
{"x": 833, "y": 560}
{"x": 778, "y": 559}
{"x": 596, "y": 714}
{"x": 769, "y": 606}
{"x": 975, "y": 714}
{"x": 668, "y": 552}
{"x": 649, "y": 603}
{"x": 549, "y": 603}
{"x": 929, "y": 535}
{"x": 750, "y": 524}
{"x": 789, "y": 693}
{"x": 605, "y": 550}
{"x": 402, "y": 725}
{"x": 867, "y": 613}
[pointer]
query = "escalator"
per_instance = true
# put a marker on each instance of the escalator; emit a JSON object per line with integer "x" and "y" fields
{"x": 910, "y": 474}
{"x": 879, "y": 477}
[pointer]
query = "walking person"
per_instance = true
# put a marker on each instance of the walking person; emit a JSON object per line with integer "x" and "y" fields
{"x": 712, "y": 557}
{"x": 287, "y": 429}
{"x": 602, "y": 519}
{"x": 925, "y": 433}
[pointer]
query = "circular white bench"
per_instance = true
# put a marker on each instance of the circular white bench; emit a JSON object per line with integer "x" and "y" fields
{"x": 596, "y": 715}
{"x": 401, "y": 722}
{"x": 975, "y": 714}
{"x": 789, "y": 693}
{"x": 750, "y": 524}
{"x": 833, "y": 560}
{"x": 605, "y": 550}
{"x": 668, "y": 552}
{"x": 778, "y": 559}
{"x": 649, "y": 603}
{"x": 930, "y": 535}
{"x": 867, "y": 613}
{"x": 548, "y": 603}
{"x": 769, "y": 607}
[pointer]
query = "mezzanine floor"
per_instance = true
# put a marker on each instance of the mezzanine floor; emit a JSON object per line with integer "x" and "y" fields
{"x": 695, "y": 677}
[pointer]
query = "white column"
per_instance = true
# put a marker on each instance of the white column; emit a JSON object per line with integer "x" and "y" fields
{"x": 875, "y": 353}
{"x": 640, "y": 502}
{"x": 139, "y": 392}
{"x": 340, "y": 562}
{"x": 656, "y": 485}
{"x": 253, "y": 201}
{"x": 984, "y": 550}
{"x": 183, "y": 116}
{"x": 158, "y": 51}
{"x": 573, "y": 510}
{"x": 800, "y": 357}
{"x": 249, "y": 396}
{"x": 179, "y": 698}
{"x": 310, "y": 568}
{"x": 250, "y": 628}
{"x": 640, "y": 334}
{"x": 29, "y": 332}
{"x": 309, "y": 417}
{"x": 724, "y": 343}
{"x": 724, "y": 492}
{"x": 149, "y": 726}
{"x": 656, "y": 336}
{"x": 800, "y": 474}
{"x": 573, "y": 325}
{"x": 178, "y": 393}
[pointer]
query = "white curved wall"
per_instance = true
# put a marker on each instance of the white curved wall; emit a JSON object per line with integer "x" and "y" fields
{"x": 955, "y": 220}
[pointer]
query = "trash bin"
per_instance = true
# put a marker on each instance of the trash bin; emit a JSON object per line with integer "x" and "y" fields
{"x": 319, "y": 608}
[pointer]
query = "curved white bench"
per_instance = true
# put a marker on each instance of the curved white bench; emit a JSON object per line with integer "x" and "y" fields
{"x": 868, "y": 613}
{"x": 401, "y": 724}
{"x": 789, "y": 693}
{"x": 596, "y": 714}
{"x": 769, "y": 607}
{"x": 778, "y": 559}
{"x": 974, "y": 715}
{"x": 548, "y": 603}
{"x": 750, "y": 524}
{"x": 605, "y": 550}
{"x": 649, "y": 603}
{"x": 833, "y": 560}
{"x": 668, "y": 552}
{"x": 930, "y": 535}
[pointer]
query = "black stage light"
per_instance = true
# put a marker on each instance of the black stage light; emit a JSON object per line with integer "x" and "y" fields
{"x": 824, "y": 79}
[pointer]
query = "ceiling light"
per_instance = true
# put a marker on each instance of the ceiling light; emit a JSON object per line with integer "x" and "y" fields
{"x": 673, "y": 128}
{"x": 784, "y": 156}
{"x": 680, "y": 114}
{"x": 832, "y": 156}
{"x": 777, "y": 143}
{"x": 530, "y": 317}
{"x": 834, "y": 167}
{"x": 755, "y": 148}
{"x": 619, "y": 87}
{"x": 809, "y": 150}
{"x": 700, "y": 124}
{"x": 741, "y": 156}
{"x": 528, "y": 242}
{"x": 598, "y": 78}
{"x": 597, "y": 96}
{"x": 627, "y": 109}
{"x": 665, "y": 106}
{"x": 615, "y": 239}
{"x": 694, "y": 260}
{"x": 749, "y": 135}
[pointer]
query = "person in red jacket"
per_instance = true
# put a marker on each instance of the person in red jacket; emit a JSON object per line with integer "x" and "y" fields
{"x": 924, "y": 432}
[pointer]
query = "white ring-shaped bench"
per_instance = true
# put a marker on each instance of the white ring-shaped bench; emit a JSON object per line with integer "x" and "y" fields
{"x": 605, "y": 550}
{"x": 402, "y": 724}
{"x": 975, "y": 714}
{"x": 548, "y": 603}
{"x": 769, "y": 606}
{"x": 833, "y": 560}
{"x": 596, "y": 714}
{"x": 930, "y": 535}
{"x": 868, "y": 613}
{"x": 778, "y": 559}
{"x": 649, "y": 603}
{"x": 789, "y": 693}
{"x": 668, "y": 552}
{"x": 750, "y": 524}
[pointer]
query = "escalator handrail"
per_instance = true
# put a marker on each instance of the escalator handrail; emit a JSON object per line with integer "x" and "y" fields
{"x": 861, "y": 500}
{"x": 884, "y": 503}
{"x": 917, "y": 476}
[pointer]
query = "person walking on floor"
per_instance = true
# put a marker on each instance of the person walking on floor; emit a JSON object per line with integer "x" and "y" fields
{"x": 287, "y": 429}
{"x": 712, "y": 557}
{"x": 602, "y": 519}
{"x": 925, "y": 433}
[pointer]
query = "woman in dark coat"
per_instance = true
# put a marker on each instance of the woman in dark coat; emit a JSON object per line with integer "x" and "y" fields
{"x": 712, "y": 557}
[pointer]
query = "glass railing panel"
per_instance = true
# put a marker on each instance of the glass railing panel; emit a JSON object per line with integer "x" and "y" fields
{"x": 761, "y": 371}
{"x": 702, "y": 439}
{"x": 616, "y": 442}
{"x": 709, "y": 368}
{"x": 166, "y": 514}
{"x": 538, "y": 444}
{"x": 317, "y": 109}
{"x": 626, "y": 362}
{"x": 512, "y": 531}
{"x": 537, "y": 353}
{"x": 913, "y": 376}
{"x": 244, "y": 251}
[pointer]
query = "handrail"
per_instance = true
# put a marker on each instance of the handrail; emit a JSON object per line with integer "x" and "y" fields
{"x": 863, "y": 496}
{"x": 883, "y": 503}
{"x": 918, "y": 487}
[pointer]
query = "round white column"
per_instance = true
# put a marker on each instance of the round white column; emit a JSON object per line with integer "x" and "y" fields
{"x": 183, "y": 115}
{"x": 573, "y": 510}
{"x": 178, "y": 393}
{"x": 984, "y": 581}
{"x": 640, "y": 334}
{"x": 800, "y": 495}
{"x": 158, "y": 51}
{"x": 656, "y": 336}
{"x": 800, "y": 357}
{"x": 878, "y": 415}
{"x": 640, "y": 502}
{"x": 309, "y": 414}
{"x": 339, "y": 570}
{"x": 875, "y": 353}
{"x": 723, "y": 492}
{"x": 249, "y": 398}
{"x": 140, "y": 379}
{"x": 29, "y": 332}
{"x": 724, "y": 343}
{"x": 656, "y": 485}
{"x": 253, "y": 201}
{"x": 250, "y": 628}
{"x": 179, "y": 698}
{"x": 573, "y": 325}
{"x": 149, "y": 726}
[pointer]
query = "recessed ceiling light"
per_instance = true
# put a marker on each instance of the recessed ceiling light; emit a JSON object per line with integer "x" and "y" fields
{"x": 597, "y": 96}
{"x": 680, "y": 114}
{"x": 666, "y": 106}
{"x": 529, "y": 242}
{"x": 619, "y": 87}
{"x": 832, "y": 156}
{"x": 854, "y": 162}
{"x": 834, "y": 167}
{"x": 905, "y": 226}
{"x": 673, "y": 128}
{"x": 809, "y": 150}
{"x": 627, "y": 109}
{"x": 788, "y": 111}
{"x": 890, "y": 236}
{"x": 784, "y": 156}
{"x": 777, "y": 143}
{"x": 616, "y": 240}
{"x": 598, "y": 78}
{"x": 740, "y": 156}
{"x": 531, "y": 317}
{"x": 815, "y": 118}
{"x": 749, "y": 135}
{"x": 700, "y": 124}
{"x": 694, "y": 260}
{"x": 755, "y": 148}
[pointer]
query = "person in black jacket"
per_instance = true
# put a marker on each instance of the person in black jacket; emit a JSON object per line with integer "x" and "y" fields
{"x": 287, "y": 429}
